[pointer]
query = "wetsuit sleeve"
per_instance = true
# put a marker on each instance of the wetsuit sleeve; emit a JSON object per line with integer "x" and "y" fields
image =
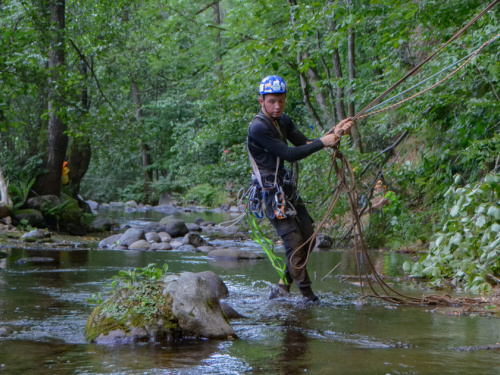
{"x": 264, "y": 136}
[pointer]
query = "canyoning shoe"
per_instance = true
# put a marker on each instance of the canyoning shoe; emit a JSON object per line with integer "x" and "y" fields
{"x": 311, "y": 300}
{"x": 279, "y": 291}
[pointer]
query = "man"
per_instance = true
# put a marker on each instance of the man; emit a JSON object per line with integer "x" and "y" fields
{"x": 268, "y": 134}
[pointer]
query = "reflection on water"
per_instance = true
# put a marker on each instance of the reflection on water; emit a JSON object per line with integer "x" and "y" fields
{"x": 45, "y": 302}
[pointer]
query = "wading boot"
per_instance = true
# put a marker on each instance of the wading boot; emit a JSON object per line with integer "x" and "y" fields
{"x": 279, "y": 291}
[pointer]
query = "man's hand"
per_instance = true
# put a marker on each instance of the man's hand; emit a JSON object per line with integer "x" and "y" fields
{"x": 333, "y": 136}
{"x": 330, "y": 140}
{"x": 343, "y": 127}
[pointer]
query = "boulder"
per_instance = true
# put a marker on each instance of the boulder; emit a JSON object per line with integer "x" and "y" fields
{"x": 37, "y": 202}
{"x": 154, "y": 227}
{"x": 324, "y": 241}
{"x": 103, "y": 224}
{"x": 139, "y": 245}
{"x": 165, "y": 237}
{"x": 152, "y": 237}
{"x": 176, "y": 243}
{"x": 197, "y": 307}
{"x": 234, "y": 254}
{"x": 205, "y": 249}
{"x": 194, "y": 239}
{"x": 229, "y": 312}
{"x": 131, "y": 203}
{"x": 94, "y": 206}
{"x": 187, "y": 248}
{"x": 110, "y": 242}
{"x": 179, "y": 306}
{"x": 6, "y": 331}
{"x": 192, "y": 227}
{"x": 116, "y": 205}
{"x": 174, "y": 227}
{"x": 160, "y": 246}
{"x": 34, "y": 235}
{"x": 215, "y": 283}
{"x": 4, "y": 210}
{"x": 31, "y": 216}
{"x": 131, "y": 235}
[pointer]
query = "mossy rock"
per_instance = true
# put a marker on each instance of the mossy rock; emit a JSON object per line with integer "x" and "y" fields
{"x": 141, "y": 313}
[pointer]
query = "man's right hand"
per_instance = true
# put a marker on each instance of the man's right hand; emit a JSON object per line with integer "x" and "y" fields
{"x": 330, "y": 140}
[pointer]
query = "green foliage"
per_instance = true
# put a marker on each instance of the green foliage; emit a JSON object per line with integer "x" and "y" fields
{"x": 19, "y": 191}
{"x": 205, "y": 195}
{"x": 467, "y": 249}
{"x": 128, "y": 278}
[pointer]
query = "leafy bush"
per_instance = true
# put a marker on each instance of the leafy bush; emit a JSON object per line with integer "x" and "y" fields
{"x": 205, "y": 195}
{"x": 467, "y": 250}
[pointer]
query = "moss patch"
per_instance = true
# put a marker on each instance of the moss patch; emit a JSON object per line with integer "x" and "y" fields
{"x": 144, "y": 307}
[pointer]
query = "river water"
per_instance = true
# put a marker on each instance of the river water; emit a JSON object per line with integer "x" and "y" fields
{"x": 44, "y": 300}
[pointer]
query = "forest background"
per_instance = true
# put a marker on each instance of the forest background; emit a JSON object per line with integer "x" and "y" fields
{"x": 145, "y": 98}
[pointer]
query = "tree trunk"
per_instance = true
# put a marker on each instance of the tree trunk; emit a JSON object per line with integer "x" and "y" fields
{"x": 146, "y": 159}
{"x": 218, "y": 42}
{"x": 303, "y": 81}
{"x": 4, "y": 192}
{"x": 355, "y": 134}
{"x": 80, "y": 151}
{"x": 50, "y": 183}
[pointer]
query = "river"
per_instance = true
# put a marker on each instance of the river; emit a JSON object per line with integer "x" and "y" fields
{"x": 45, "y": 302}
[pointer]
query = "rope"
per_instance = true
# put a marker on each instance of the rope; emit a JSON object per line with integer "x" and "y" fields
{"x": 469, "y": 58}
{"x": 457, "y": 34}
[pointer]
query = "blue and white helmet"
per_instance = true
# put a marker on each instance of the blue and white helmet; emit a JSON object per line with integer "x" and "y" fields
{"x": 272, "y": 85}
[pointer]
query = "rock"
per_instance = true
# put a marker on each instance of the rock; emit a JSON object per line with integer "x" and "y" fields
{"x": 6, "y": 331}
{"x": 110, "y": 242}
{"x": 31, "y": 216}
{"x": 215, "y": 283}
{"x": 224, "y": 207}
{"x": 160, "y": 246}
{"x": 194, "y": 239}
{"x": 197, "y": 307}
{"x": 35, "y": 260}
{"x": 187, "y": 248}
{"x": 154, "y": 227}
{"x": 166, "y": 209}
{"x": 37, "y": 234}
{"x": 132, "y": 204}
{"x": 103, "y": 224}
{"x": 179, "y": 306}
{"x": 207, "y": 223}
{"x": 205, "y": 249}
{"x": 199, "y": 220}
{"x": 37, "y": 202}
{"x": 192, "y": 227}
{"x": 4, "y": 210}
{"x": 174, "y": 227}
{"x": 116, "y": 205}
{"x": 131, "y": 235}
{"x": 234, "y": 209}
{"x": 152, "y": 237}
{"x": 94, "y": 206}
{"x": 176, "y": 243}
{"x": 323, "y": 240}
{"x": 139, "y": 245}
{"x": 234, "y": 254}
{"x": 165, "y": 237}
{"x": 229, "y": 312}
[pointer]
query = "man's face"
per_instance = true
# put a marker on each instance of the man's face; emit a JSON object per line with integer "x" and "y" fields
{"x": 273, "y": 105}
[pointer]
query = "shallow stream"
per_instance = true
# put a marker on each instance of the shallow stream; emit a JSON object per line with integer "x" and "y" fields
{"x": 45, "y": 302}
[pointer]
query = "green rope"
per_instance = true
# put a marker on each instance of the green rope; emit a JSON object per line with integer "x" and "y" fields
{"x": 268, "y": 246}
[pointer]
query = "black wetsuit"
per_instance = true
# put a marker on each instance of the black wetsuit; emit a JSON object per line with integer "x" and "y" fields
{"x": 266, "y": 142}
